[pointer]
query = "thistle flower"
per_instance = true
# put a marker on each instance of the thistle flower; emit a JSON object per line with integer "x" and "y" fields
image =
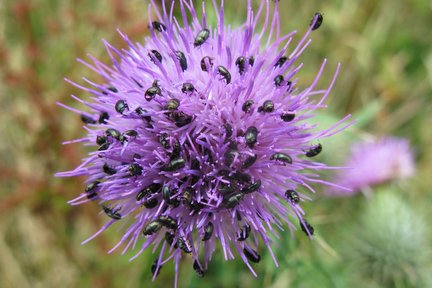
{"x": 201, "y": 136}
{"x": 372, "y": 163}
{"x": 390, "y": 245}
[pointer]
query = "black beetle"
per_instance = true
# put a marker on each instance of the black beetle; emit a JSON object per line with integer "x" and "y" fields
{"x": 87, "y": 120}
{"x": 91, "y": 189}
{"x": 180, "y": 118}
{"x": 206, "y": 61}
{"x": 282, "y": 157}
{"x": 103, "y": 117}
{"x": 252, "y": 187}
{"x": 252, "y": 255}
{"x": 229, "y": 157}
{"x": 151, "y": 203}
{"x": 319, "y": 19}
{"x": 241, "y": 64}
{"x": 278, "y": 80}
{"x": 152, "y": 227}
{"x": 314, "y": 151}
{"x": 267, "y": 107}
{"x": 224, "y": 73}
{"x": 169, "y": 237}
{"x": 114, "y": 133}
{"x": 287, "y": 116}
{"x": 121, "y": 106}
{"x": 168, "y": 222}
{"x": 281, "y": 61}
{"x": 156, "y": 55}
{"x": 201, "y": 37}
{"x": 151, "y": 93}
{"x": 292, "y": 196}
{"x": 198, "y": 269}
{"x": 246, "y": 107}
{"x": 164, "y": 140}
{"x": 134, "y": 169}
{"x": 251, "y": 60}
{"x": 234, "y": 200}
{"x": 158, "y": 26}
{"x": 182, "y": 60}
{"x": 108, "y": 170}
{"x": 307, "y": 228}
{"x": 155, "y": 269}
{"x": 187, "y": 88}
{"x": 244, "y": 233}
{"x": 251, "y": 136}
{"x": 175, "y": 164}
{"x": 208, "y": 231}
{"x": 184, "y": 245}
{"x": 150, "y": 189}
{"x": 112, "y": 213}
{"x": 249, "y": 161}
{"x": 172, "y": 104}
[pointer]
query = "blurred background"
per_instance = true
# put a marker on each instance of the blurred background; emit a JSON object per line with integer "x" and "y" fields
{"x": 379, "y": 237}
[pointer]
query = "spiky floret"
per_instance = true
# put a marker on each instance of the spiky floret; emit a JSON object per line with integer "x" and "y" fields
{"x": 198, "y": 134}
{"x": 395, "y": 251}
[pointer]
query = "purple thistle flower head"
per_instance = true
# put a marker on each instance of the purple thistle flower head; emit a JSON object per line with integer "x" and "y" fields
{"x": 372, "y": 163}
{"x": 200, "y": 136}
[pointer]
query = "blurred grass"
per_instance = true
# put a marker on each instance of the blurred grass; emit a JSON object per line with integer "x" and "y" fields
{"x": 386, "y": 80}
